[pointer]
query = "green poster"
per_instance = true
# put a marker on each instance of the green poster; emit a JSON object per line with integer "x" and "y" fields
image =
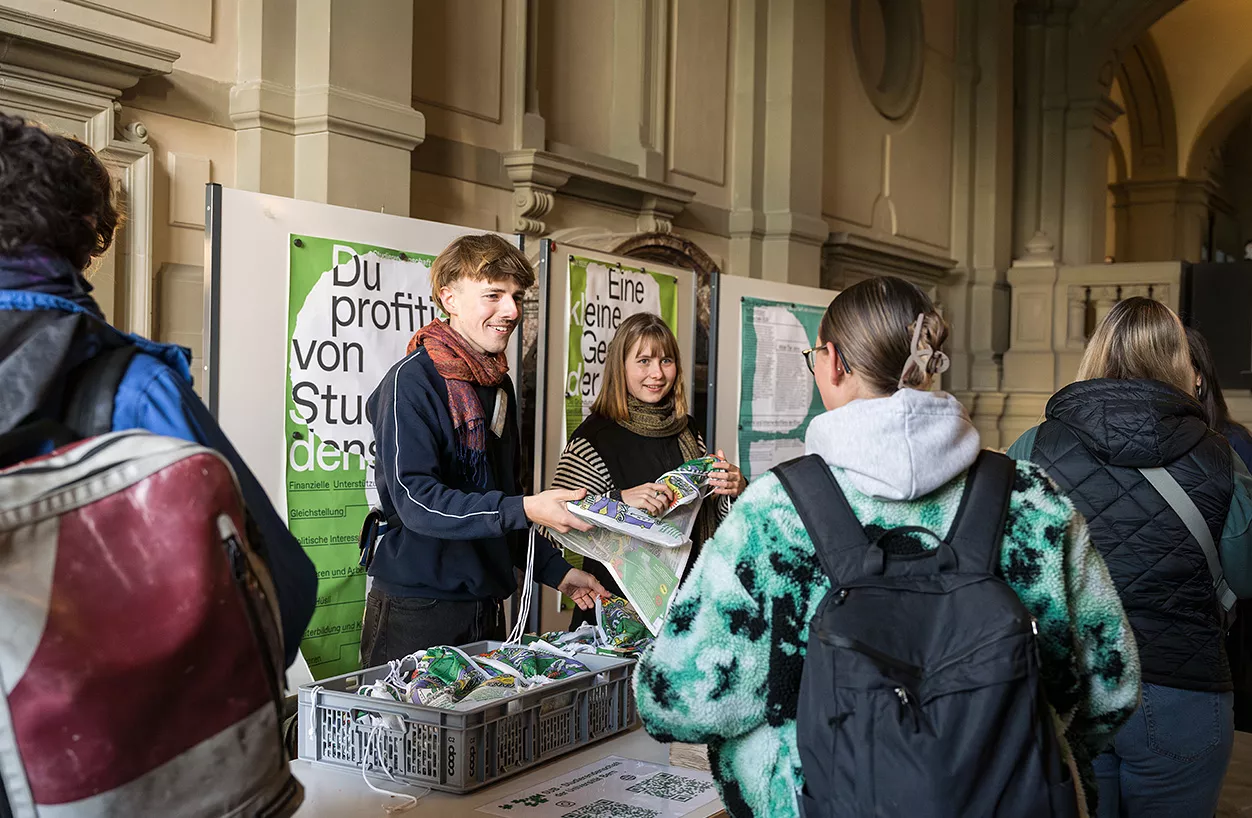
{"x": 351, "y": 310}
{"x": 777, "y": 394}
{"x": 601, "y": 296}
{"x": 638, "y": 569}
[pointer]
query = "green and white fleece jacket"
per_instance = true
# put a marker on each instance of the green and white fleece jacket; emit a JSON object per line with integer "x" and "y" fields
{"x": 725, "y": 670}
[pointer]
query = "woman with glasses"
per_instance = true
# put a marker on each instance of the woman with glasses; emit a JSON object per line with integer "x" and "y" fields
{"x": 726, "y": 668}
{"x": 1131, "y": 447}
{"x": 638, "y": 430}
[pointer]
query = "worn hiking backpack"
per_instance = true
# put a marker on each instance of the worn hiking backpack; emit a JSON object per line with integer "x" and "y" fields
{"x": 920, "y": 694}
{"x": 141, "y": 664}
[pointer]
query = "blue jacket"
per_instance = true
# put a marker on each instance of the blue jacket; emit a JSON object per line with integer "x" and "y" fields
{"x": 460, "y": 533}
{"x": 156, "y": 394}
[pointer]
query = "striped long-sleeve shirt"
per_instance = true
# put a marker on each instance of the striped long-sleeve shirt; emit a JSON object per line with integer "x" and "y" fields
{"x": 582, "y": 467}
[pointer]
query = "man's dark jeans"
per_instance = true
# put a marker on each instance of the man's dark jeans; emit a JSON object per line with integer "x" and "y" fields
{"x": 396, "y": 626}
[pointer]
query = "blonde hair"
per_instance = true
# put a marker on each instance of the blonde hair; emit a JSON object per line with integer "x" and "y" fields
{"x": 1140, "y": 339}
{"x": 871, "y": 325}
{"x": 485, "y": 257}
{"x": 652, "y": 333}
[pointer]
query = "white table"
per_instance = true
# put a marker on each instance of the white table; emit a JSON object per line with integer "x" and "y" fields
{"x": 331, "y": 792}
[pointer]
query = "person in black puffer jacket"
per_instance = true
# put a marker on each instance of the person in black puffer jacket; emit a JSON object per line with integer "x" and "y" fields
{"x": 1133, "y": 406}
{"x": 1239, "y": 641}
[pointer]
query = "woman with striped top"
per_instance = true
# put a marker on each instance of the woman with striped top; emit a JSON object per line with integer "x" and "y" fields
{"x": 638, "y": 430}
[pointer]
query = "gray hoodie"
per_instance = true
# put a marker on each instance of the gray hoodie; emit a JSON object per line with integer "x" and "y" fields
{"x": 898, "y": 448}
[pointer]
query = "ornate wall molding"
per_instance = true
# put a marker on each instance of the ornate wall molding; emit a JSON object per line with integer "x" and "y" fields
{"x": 263, "y": 104}
{"x": 849, "y": 257}
{"x": 537, "y": 176}
{"x": 89, "y": 58}
{"x": 69, "y": 78}
{"x": 131, "y": 157}
{"x": 201, "y": 29}
{"x": 329, "y": 108}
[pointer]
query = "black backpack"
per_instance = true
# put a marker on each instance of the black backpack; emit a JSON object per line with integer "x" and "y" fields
{"x": 920, "y": 694}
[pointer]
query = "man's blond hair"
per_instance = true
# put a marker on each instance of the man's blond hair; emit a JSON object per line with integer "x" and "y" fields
{"x": 485, "y": 257}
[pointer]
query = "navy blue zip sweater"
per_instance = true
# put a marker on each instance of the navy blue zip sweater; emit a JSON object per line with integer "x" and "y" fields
{"x": 460, "y": 539}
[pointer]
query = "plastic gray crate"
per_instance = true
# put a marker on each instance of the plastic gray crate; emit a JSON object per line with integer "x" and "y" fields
{"x": 463, "y": 750}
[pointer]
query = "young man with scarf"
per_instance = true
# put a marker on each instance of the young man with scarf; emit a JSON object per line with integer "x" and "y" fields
{"x": 449, "y": 467}
{"x": 56, "y": 215}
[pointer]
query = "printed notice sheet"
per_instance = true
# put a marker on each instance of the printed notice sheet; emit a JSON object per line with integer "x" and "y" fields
{"x": 778, "y": 396}
{"x": 612, "y": 787}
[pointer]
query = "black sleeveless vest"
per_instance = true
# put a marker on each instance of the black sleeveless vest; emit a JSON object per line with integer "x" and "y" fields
{"x": 1097, "y": 435}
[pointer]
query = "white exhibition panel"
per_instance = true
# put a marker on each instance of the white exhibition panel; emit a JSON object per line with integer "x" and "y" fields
{"x": 551, "y": 433}
{"x": 732, "y": 290}
{"x": 253, "y": 257}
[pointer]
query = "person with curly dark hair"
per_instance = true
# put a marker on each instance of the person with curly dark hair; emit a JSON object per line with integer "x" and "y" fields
{"x": 57, "y": 214}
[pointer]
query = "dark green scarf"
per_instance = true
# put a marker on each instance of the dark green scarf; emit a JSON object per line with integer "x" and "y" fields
{"x": 660, "y": 420}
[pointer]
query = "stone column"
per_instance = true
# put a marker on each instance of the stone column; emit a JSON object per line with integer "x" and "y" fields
{"x": 640, "y": 66}
{"x": 1063, "y": 133}
{"x": 529, "y": 128}
{"x": 322, "y": 122}
{"x": 794, "y": 228}
{"x": 1089, "y": 139}
{"x": 355, "y": 124}
{"x": 747, "y": 222}
{"x": 262, "y": 102}
{"x": 1164, "y": 220}
{"x": 776, "y": 225}
{"x": 1041, "y": 44}
{"x": 982, "y": 231}
{"x": 1030, "y": 362}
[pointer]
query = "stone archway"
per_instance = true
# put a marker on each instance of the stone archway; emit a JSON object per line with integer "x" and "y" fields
{"x": 670, "y": 249}
{"x": 1064, "y": 116}
{"x": 1221, "y": 158}
{"x": 1149, "y": 112}
{"x": 676, "y": 251}
{"x": 1156, "y": 208}
{"x": 1215, "y": 133}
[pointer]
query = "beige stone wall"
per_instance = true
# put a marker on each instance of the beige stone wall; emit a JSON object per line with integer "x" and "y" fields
{"x": 616, "y": 97}
{"x": 792, "y": 140}
{"x": 890, "y": 180}
{"x": 744, "y": 127}
{"x": 100, "y": 53}
{"x": 203, "y": 32}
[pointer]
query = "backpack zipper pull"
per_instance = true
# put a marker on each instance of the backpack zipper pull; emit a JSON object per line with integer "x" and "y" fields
{"x": 906, "y": 703}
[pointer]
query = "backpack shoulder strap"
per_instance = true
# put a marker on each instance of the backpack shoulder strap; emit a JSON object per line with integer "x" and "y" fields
{"x": 826, "y": 514}
{"x": 92, "y": 388}
{"x": 1176, "y": 496}
{"x": 978, "y": 529}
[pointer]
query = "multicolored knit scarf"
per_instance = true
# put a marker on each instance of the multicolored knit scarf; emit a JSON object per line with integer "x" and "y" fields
{"x": 462, "y": 367}
{"x": 660, "y": 420}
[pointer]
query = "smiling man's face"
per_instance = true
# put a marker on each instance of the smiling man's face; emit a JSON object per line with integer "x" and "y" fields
{"x": 485, "y": 313}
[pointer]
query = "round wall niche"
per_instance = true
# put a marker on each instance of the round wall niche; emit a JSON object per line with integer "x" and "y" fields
{"x": 888, "y": 41}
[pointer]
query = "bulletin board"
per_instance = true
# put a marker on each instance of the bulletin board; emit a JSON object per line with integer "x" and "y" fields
{"x": 588, "y": 294}
{"x": 307, "y": 306}
{"x": 765, "y": 395}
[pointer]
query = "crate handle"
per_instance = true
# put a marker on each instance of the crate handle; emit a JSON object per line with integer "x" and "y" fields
{"x": 380, "y": 720}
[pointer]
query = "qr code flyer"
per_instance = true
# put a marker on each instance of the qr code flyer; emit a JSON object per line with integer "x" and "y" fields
{"x": 613, "y": 787}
